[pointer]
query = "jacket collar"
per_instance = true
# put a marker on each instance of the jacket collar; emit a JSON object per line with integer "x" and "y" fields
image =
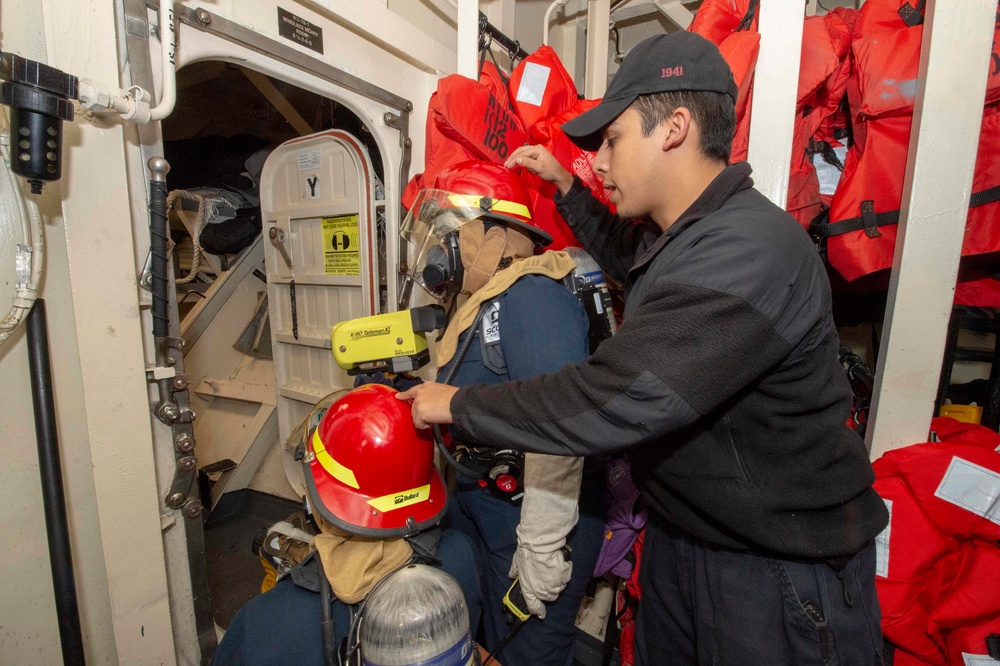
{"x": 734, "y": 178}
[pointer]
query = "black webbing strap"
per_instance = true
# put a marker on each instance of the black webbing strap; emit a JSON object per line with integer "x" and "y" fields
{"x": 869, "y": 221}
{"x": 984, "y": 197}
{"x": 748, "y": 17}
{"x": 911, "y": 15}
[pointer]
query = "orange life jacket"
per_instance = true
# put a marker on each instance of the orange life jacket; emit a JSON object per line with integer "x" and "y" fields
{"x": 466, "y": 120}
{"x": 823, "y": 75}
{"x": 545, "y": 97}
{"x": 732, "y": 26}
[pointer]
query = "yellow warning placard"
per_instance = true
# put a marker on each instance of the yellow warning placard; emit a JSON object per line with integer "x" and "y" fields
{"x": 341, "y": 245}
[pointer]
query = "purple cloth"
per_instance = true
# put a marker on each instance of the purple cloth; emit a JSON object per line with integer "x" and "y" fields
{"x": 622, "y": 524}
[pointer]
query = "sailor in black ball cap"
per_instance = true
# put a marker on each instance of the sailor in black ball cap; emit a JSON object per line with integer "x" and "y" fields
{"x": 723, "y": 383}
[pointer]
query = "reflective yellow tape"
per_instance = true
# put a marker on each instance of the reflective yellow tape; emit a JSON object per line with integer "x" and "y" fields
{"x": 387, "y": 503}
{"x": 333, "y": 468}
{"x": 499, "y": 205}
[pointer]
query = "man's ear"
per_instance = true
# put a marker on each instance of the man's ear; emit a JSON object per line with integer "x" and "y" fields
{"x": 677, "y": 126}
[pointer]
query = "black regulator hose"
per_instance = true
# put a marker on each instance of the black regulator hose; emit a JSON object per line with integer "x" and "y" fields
{"x": 331, "y": 654}
{"x": 456, "y": 361}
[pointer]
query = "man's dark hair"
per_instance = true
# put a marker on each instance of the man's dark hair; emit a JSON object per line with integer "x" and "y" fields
{"x": 714, "y": 113}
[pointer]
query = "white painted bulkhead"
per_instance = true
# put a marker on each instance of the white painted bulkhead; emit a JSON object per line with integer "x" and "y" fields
{"x": 128, "y": 547}
{"x": 97, "y": 241}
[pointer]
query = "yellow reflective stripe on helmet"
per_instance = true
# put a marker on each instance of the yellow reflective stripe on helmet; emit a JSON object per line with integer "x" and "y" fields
{"x": 387, "y": 503}
{"x": 499, "y": 205}
{"x": 333, "y": 468}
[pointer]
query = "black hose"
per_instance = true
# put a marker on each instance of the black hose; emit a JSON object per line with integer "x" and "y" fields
{"x": 53, "y": 498}
{"x": 455, "y": 362}
{"x": 326, "y": 625}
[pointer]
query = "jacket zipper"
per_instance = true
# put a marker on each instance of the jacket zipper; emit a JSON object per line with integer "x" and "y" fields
{"x": 732, "y": 443}
{"x": 817, "y": 618}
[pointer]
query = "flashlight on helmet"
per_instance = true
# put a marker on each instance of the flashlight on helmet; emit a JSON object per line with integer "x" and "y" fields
{"x": 39, "y": 100}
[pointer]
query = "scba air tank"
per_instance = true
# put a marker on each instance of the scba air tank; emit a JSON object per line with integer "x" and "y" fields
{"x": 417, "y": 617}
{"x": 587, "y": 282}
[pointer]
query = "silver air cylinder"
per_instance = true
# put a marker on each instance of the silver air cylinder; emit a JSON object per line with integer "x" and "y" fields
{"x": 418, "y": 616}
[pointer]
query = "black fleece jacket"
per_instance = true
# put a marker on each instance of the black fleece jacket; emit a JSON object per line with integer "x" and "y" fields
{"x": 723, "y": 382}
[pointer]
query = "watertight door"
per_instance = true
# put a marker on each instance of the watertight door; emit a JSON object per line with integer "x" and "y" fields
{"x": 318, "y": 199}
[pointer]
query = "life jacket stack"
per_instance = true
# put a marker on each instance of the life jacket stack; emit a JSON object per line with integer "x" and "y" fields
{"x": 939, "y": 558}
{"x": 860, "y": 227}
{"x": 823, "y": 74}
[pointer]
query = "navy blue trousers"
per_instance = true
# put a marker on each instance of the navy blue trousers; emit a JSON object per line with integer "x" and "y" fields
{"x": 704, "y": 605}
{"x": 281, "y": 626}
{"x": 491, "y": 523}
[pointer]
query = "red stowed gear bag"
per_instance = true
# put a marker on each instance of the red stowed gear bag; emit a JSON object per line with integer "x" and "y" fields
{"x": 909, "y": 554}
{"x": 971, "y": 640}
{"x": 939, "y": 552}
{"x": 973, "y": 596}
{"x": 939, "y": 473}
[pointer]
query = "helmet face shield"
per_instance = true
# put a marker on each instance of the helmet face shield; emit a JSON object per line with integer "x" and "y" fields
{"x": 430, "y": 229}
{"x": 462, "y": 193}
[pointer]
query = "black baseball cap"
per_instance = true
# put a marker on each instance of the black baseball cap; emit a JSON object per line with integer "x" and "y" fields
{"x": 678, "y": 61}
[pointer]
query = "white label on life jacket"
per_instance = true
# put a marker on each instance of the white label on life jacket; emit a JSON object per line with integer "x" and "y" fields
{"x": 978, "y": 660}
{"x": 533, "y": 82}
{"x": 882, "y": 546}
{"x": 973, "y": 488}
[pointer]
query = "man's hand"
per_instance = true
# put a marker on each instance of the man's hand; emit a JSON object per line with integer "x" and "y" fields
{"x": 431, "y": 403}
{"x": 541, "y": 162}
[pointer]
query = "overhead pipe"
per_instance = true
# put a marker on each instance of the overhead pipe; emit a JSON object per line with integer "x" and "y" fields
{"x": 548, "y": 18}
{"x": 168, "y": 62}
{"x": 133, "y": 104}
{"x": 598, "y": 25}
{"x": 53, "y": 497}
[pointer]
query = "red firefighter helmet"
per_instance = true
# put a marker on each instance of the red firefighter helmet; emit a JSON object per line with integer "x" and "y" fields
{"x": 496, "y": 191}
{"x": 369, "y": 471}
{"x": 467, "y": 191}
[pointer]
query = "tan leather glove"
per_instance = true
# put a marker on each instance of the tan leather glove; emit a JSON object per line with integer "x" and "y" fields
{"x": 549, "y": 512}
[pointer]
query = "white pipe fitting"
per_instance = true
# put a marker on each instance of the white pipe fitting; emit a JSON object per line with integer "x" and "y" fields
{"x": 548, "y": 17}
{"x": 168, "y": 46}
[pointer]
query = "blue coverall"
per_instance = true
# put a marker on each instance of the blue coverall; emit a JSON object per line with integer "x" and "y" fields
{"x": 542, "y": 327}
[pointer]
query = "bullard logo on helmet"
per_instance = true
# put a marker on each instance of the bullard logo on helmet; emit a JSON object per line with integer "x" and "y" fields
{"x": 399, "y": 499}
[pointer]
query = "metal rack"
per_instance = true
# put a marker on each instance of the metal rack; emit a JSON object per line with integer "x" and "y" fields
{"x": 512, "y": 46}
